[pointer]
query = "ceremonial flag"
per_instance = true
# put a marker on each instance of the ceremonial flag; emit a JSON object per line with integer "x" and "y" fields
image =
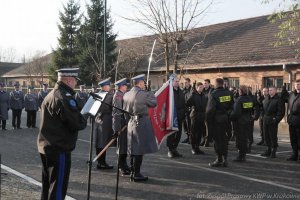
{"x": 163, "y": 116}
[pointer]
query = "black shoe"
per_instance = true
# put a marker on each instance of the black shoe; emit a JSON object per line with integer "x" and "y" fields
{"x": 267, "y": 153}
{"x": 202, "y": 143}
{"x": 15, "y": 128}
{"x": 260, "y": 143}
{"x": 216, "y": 163}
{"x": 206, "y": 144}
{"x": 273, "y": 153}
{"x": 139, "y": 177}
{"x": 177, "y": 154}
{"x": 186, "y": 141}
{"x": 171, "y": 154}
{"x": 197, "y": 151}
{"x": 34, "y": 127}
{"x": 104, "y": 166}
{"x": 225, "y": 163}
{"x": 4, "y": 129}
{"x": 292, "y": 158}
{"x": 19, "y": 128}
{"x": 240, "y": 159}
{"x": 124, "y": 171}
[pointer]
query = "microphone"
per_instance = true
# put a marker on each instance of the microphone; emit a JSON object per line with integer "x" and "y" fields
{"x": 95, "y": 96}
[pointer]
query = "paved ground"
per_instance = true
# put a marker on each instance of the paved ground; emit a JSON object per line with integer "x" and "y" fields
{"x": 186, "y": 178}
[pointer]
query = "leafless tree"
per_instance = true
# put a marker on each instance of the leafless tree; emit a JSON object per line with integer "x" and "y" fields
{"x": 171, "y": 20}
{"x": 8, "y": 55}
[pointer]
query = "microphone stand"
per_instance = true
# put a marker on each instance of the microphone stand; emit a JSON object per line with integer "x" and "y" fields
{"x": 90, "y": 161}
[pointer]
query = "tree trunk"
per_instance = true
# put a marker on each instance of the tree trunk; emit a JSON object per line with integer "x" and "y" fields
{"x": 176, "y": 56}
{"x": 167, "y": 60}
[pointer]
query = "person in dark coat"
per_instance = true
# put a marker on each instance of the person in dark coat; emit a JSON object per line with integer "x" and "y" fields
{"x": 118, "y": 123}
{"x": 242, "y": 115}
{"x": 16, "y": 103}
{"x": 260, "y": 98}
{"x": 273, "y": 113}
{"x": 60, "y": 122}
{"x": 197, "y": 102}
{"x": 209, "y": 127}
{"x": 81, "y": 96}
{"x": 219, "y": 106}
{"x": 4, "y": 106}
{"x": 140, "y": 134}
{"x": 103, "y": 125}
{"x": 187, "y": 91}
{"x": 42, "y": 94}
{"x": 293, "y": 119}
{"x": 179, "y": 101}
{"x": 31, "y": 107}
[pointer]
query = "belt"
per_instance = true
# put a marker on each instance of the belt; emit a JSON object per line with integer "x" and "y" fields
{"x": 136, "y": 117}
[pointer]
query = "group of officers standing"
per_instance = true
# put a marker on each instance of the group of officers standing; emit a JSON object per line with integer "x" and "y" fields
{"x": 205, "y": 113}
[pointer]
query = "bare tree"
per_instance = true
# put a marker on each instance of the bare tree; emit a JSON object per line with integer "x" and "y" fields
{"x": 8, "y": 54}
{"x": 171, "y": 20}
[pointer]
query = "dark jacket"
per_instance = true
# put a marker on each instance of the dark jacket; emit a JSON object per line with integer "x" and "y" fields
{"x": 219, "y": 105}
{"x": 294, "y": 109}
{"x": 197, "y": 102}
{"x": 60, "y": 120}
{"x": 179, "y": 101}
{"x": 273, "y": 109}
{"x": 243, "y": 109}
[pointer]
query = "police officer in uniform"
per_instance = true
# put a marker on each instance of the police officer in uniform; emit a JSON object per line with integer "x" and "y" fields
{"x": 81, "y": 96}
{"x": 242, "y": 116}
{"x": 31, "y": 107}
{"x": 4, "y": 106}
{"x": 219, "y": 106}
{"x": 274, "y": 112}
{"x": 16, "y": 102}
{"x": 118, "y": 123}
{"x": 103, "y": 126}
{"x": 293, "y": 119}
{"x": 42, "y": 94}
{"x": 197, "y": 102}
{"x": 60, "y": 122}
{"x": 141, "y": 139}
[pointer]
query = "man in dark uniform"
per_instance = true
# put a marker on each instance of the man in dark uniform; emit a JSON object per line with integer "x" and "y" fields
{"x": 60, "y": 122}
{"x": 260, "y": 98}
{"x": 293, "y": 119}
{"x": 81, "y": 96}
{"x": 273, "y": 113}
{"x": 118, "y": 123}
{"x": 187, "y": 91}
{"x": 197, "y": 102}
{"x": 103, "y": 126}
{"x": 209, "y": 132}
{"x": 179, "y": 101}
{"x": 4, "y": 106}
{"x": 31, "y": 107}
{"x": 140, "y": 134}
{"x": 242, "y": 116}
{"x": 42, "y": 94}
{"x": 16, "y": 102}
{"x": 219, "y": 106}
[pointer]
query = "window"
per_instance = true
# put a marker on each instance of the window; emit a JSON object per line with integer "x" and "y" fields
{"x": 232, "y": 82}
{"x": 273, "y": 82}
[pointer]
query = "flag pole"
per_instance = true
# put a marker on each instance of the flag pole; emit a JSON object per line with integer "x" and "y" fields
{"x": 150, "y": 60}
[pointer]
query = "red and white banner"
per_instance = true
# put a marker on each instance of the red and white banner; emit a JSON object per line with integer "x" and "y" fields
{"x": 163, "y": 116}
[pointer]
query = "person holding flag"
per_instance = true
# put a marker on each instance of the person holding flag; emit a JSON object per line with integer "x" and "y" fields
{"x": 140, "y": 133}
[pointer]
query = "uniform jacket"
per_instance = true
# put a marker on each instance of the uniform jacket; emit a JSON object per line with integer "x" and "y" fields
{"x": 179, "y": 101}
{"x": 103, "y": 126}
{"x": 60, "y": 120}
{"x": 198, "y": 102}
{"x": 294, "y": 109}
{"x": 273, "y": 109}
{"x": 41, "y": 96}
{"x": 219, "y": 105}
{"x": 243, "y": 109}
{"x": 16, "y": 100}
{"x": 81, "y": 98}
{"x": 4, "y": 105}
{"x": 31, "y": 102}
{"x": 140, "y": 134}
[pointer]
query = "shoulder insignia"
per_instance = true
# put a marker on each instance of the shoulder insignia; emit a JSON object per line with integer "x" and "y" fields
{"x": 72, "y": 103}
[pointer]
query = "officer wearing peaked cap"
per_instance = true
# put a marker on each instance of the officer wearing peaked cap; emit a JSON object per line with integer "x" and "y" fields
{"x": 81, "y": 96}
{"x": 60, "y": 122}
{"x": 118, "y": 123}
{"x": 103, "y": 125}
{"x": 16, "y": 102}
{"x": 31, "y": 107}
{"x": 140, "y": 134}
{"x": 42, "y": 94}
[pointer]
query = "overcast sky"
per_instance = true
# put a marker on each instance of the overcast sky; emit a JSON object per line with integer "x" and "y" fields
{"x": 31, "y": 25}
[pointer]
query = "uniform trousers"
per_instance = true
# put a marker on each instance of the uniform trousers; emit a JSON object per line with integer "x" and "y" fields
{"x": 16, "y": 115}
{"x": 31, "y": 118}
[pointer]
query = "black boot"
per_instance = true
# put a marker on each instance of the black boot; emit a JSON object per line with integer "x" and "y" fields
{"x": 240, "y": 158}
{"x": 102, "y": 165}
{"x": 218, "y": 162}
{"x": 249, "y": 148}
{"x": 137, "y": 176}
{"x": 225, "y": 162}
{"x": 261, "y": 142}
{"x": 293, "y": 157}
{"x": 273, "y": 152}
{"x": 124, "y": 169}
{"x": 267, "y": 152}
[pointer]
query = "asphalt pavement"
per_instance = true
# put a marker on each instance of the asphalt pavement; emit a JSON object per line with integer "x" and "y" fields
{"x": 184, "y": 178}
